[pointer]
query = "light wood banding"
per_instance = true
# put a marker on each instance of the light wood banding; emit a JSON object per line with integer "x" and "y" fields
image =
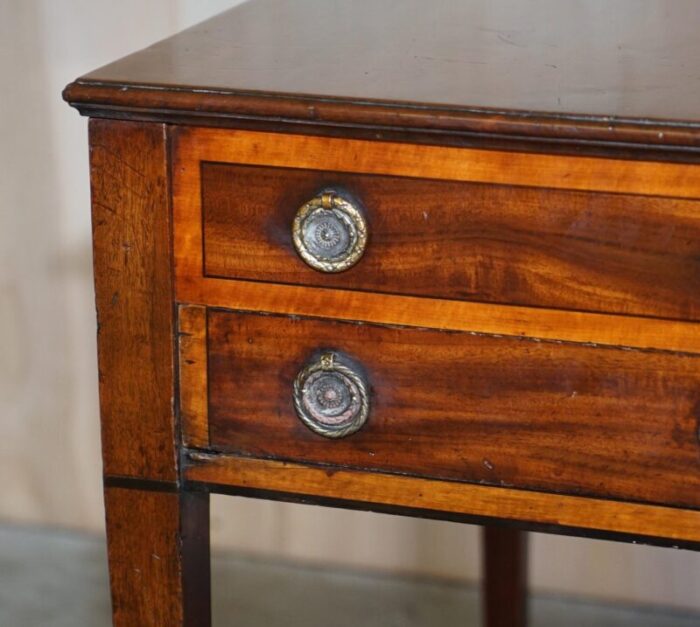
{"x": 192, "y": 146}
{"x": 408, "y": 311}
{"x": 448, "y": 497}
{"x": 192, "y": 340}
{"x": 444, "y": 163}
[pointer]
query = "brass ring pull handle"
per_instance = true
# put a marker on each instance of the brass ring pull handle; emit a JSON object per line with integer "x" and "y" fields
{"x": 331, "y": 396}
{"x": 330, "y": 232}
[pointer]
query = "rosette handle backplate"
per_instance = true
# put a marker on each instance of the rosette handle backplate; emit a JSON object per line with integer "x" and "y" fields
{"x": 331, "y": 395}
{"x": 330, "y": 232}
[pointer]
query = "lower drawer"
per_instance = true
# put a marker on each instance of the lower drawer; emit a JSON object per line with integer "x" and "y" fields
{"x": 572, "y": 418}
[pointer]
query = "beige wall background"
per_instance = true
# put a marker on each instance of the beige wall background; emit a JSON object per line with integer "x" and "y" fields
{"x": 49, "y": 436}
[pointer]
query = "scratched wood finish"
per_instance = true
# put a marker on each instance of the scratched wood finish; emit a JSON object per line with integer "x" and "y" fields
{"x": 133, "y": 292}
{"x": 417, "y": 496}
{"x": 503, "y": 411}
{"x": 553, "y": 69}
{"x": 192, "y": 341}
{"x": 158, "y": 546}
{"x": 583, "y": 251}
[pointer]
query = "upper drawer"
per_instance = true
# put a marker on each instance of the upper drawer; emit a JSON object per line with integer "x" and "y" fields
{"x": 586, "y": 251}
{"x": 459, "y": 224}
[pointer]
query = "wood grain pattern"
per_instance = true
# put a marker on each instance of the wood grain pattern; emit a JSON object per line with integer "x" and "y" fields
{"x": 133, "y": 291}
{"x": 649, "y": 178}
{"x": 192, "y": 339}
{"x": 526, "y": 246}
{"x": 158, "y": 545}
{"x": 447, "y": 497}
{"x": 194, "y": 146}
{"x": 503, "y": 421}
{"x": 501, "y": 411}
{"x": 504, "y": 583}
{"x": 554, "y": 69}
{"x": 408, "y": 311}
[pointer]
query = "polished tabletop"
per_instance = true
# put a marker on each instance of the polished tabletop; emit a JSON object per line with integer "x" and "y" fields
{"x": 596, "y": 60}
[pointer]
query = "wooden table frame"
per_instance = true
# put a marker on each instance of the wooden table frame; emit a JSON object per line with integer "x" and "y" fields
{"x": 157, "y": 480}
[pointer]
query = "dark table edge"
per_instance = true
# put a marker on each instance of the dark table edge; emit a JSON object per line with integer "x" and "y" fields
{"x": 405, "y": 121}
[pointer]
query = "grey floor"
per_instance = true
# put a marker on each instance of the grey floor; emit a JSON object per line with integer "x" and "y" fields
{"x": 59, "y": 579}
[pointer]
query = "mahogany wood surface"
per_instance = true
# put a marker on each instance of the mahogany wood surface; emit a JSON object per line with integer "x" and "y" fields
{"x": 504, "y": 586}
{"x": 158, "y": 540}
{"x": 525, "y": 312}
{"x": 158, "y": 545}
{"x": 133, "y": 291}
{"x": 191, "y": 145}
{"x": 502, "y": 411}
{"x": 326, "y": 485}
{"x": 526, "y": 246}
{"x": 570, "y": 326}
{"x": 194, "y": 146}
{"x": 561, "y": 70}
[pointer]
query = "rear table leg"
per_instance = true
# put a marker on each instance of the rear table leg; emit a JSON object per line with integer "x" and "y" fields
{"x": 504, "y": 577}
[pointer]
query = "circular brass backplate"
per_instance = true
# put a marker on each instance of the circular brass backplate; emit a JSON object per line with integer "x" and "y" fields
{"x": 330, "y": 232}
{"x": 331, "y": 396}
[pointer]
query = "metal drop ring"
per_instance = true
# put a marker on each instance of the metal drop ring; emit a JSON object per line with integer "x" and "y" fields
{"x": 330, "y": 232}
{"x": 331, "y": 396}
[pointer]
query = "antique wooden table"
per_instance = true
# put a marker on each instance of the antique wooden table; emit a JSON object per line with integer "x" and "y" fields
{"x": 439, "y": 259}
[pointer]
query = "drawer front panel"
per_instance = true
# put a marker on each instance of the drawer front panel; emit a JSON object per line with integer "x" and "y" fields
{"x": 503, "y": 411}
{"x": 587, "y": 251}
